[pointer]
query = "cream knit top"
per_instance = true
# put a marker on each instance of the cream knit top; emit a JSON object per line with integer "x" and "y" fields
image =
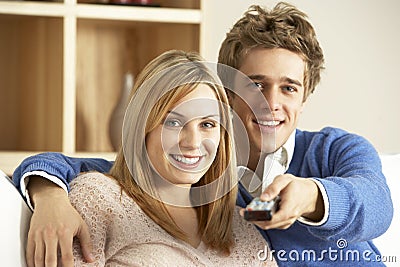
{"x": 123, "y": 235}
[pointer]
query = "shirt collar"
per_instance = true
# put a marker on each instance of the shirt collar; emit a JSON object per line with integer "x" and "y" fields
{"x": 251, "y": 181}
{"x": 288, "y": 146}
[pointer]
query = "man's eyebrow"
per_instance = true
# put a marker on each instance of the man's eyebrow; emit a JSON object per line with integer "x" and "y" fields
{"x": 257, "y": 77}
{"x": 283, "y": 79}
{"x": 292, "y": 81}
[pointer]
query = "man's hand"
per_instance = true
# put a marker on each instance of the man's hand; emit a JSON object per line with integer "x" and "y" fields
{"x": 54, "y": 224}
{"x": 300, "y": 197}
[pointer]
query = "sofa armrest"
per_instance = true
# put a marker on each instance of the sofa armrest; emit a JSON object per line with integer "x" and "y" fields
{"x": 14, "y": 224}
{"x": 388, "y": 243}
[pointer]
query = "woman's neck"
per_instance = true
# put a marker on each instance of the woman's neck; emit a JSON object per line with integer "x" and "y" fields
{"x": 175, "y": 195}
{"x": 186, "y": 219}
{"x": 177, "y": 201}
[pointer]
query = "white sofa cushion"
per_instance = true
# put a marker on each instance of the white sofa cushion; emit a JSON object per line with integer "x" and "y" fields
{"x": 15, "y": 219}
{"x": 388, "y": 243}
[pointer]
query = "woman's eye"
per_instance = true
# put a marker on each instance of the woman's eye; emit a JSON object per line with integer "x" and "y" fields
{"x": 172, "y": 123}
{"x": 209, "y": 124}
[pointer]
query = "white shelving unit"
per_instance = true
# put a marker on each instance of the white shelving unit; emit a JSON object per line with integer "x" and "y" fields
{"x": 63, "y": 66}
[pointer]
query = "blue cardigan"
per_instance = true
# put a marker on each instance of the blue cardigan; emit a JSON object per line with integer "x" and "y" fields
{"x": 347, "y": 165}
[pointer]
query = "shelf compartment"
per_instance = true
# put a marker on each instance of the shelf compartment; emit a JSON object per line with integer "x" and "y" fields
{"x": 106, "y": 51}
{"x": 31, "y": 82}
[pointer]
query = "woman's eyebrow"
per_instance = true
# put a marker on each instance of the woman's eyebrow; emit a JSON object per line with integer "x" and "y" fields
{"x": 211, "y": 116}
{"x": 175, "y": 113}
{"x": 204, "y": 117}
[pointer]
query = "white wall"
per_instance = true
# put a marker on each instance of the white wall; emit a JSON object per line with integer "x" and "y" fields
{"x": 360, "y": 89}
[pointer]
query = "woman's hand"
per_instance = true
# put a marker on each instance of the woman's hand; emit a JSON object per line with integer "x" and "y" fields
{"x": 54, "y": 224}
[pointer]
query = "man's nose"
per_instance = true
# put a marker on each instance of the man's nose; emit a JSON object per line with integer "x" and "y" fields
{"x": 272, "y": 99}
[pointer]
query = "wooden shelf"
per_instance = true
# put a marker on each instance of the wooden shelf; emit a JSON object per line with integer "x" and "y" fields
{"x": 103, "y": 12}
{"x": 145, "y": 14}
{"x": 26, "y": 8}
{"x": 63, "y": 64}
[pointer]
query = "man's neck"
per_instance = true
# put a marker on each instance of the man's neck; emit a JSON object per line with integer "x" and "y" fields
{"x": 258, "y": 164}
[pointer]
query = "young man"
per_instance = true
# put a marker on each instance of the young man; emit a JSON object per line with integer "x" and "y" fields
{"x": 330, "y": 182}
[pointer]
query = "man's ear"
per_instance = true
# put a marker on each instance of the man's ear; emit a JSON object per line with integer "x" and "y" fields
{"x": 302, "y": 106}
{"x": 230, "y": 95}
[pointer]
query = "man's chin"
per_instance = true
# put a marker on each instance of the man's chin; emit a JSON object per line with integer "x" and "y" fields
{"x": 269, "y": 150}
{"x": 269, "y": 145}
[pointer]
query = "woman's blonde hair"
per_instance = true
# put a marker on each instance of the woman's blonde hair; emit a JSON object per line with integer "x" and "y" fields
{"x": 163, "y": 82}
{"x": 285, "y": 27}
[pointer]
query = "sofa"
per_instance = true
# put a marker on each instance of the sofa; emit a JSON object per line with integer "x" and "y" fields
{"x": 387, "y": 243}
{"x": 16, "y": 215}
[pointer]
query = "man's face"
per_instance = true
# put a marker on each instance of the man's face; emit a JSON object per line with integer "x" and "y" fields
{"x": 279, "y": 75}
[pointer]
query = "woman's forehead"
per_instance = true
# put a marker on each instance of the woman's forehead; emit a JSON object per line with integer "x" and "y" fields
{"x": 202, "y": 101}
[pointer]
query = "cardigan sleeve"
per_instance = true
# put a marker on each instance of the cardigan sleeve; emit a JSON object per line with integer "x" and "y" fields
{"x": 360, "y": 205}
{"x": 57, "y": 168}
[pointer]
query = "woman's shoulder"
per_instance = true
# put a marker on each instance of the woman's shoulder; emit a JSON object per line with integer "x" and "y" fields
{"x": 86, "y": 178}
{"x": 101, "y": 195}
{"x": 95, "y": 182}
{"x": 99, "y": 190}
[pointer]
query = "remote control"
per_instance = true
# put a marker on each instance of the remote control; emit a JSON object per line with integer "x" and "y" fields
{"x": 259, "y": 210}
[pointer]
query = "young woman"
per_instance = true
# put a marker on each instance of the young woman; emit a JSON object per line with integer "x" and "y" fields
{"x": 169, "y": 198}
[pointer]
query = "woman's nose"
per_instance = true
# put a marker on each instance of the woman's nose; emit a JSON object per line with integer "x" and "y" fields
{"x": 190, "y": 137}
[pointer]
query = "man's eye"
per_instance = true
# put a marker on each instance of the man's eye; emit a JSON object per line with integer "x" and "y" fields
{"x": 255, "y": 85}
{"x": 258, "y": 85}
{"x": 289, "y": 89}
{"x": 172, "y": 123}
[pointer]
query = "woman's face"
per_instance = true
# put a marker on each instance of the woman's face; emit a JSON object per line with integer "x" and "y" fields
{"x": 183, "y": 147}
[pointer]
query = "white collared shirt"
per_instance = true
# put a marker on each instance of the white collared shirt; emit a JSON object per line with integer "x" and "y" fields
{"x": 275, "y": 164}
